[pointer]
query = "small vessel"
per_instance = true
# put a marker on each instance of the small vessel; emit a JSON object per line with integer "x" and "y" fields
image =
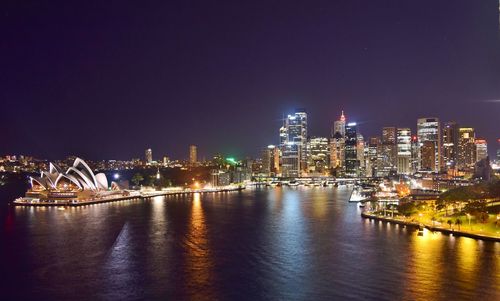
{"x": 293, "y": 183}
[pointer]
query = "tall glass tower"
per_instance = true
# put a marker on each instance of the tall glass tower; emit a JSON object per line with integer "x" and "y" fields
{"x": 293, "y": 138}
{"x": 351, "y": 156}
{"x": 429, "y": 139}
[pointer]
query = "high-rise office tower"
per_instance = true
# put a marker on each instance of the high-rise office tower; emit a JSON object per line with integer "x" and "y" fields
{"x": 337, "y": 143}
{"x": 293, "y": 137}
{"x": 337, "y": 151}
{"x": 360, "y": 151}
{"x": 450, "y": 144}
{"x": 339, "y": 125}
{"x": 371, "y": 158}
{"x": 148, "y": 154}
{"x": 415, "y": 154}
{"x": 403, "y": 150}
{"x": 351, "y": 156}
{"x": 388, "y": 151}
{"x": 429, "y": 139}
{"x": 318, "y": 151}
{"x": 466, "y": 148}
{"x": 193, "y": 154}
{"x": 481, "y": 149}
{"x": 270, "y": 160}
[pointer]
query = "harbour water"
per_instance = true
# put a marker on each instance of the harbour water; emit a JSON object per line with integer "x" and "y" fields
{"x": 283, "y": 243}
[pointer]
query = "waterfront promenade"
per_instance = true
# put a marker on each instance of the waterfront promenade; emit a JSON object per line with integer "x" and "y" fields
{"x": 449, "y": 231}
{"x": 125, "y": 195}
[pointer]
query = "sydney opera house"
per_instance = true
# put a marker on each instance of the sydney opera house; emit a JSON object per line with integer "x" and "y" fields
{"x": 77, "y": 184}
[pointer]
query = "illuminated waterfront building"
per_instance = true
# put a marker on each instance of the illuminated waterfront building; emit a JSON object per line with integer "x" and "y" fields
{"x": 337, "y": 151}
{"x": 415, "y": 154}
{"x": 371, "y": 151}
{"x": 270, "y": 160}
{"x": 450, "y": 144}
{"x": 466, "y": 148}
{"x": 360, "y": 151}
{"x": 193, "y": 155}
{"x": 148, "y": 154}
{"x": 403, "y": 138}
{"x": 293, "y": 137}
{"x": 429, "y": 139}
{"x": 318, "y": 151}
{"x": 77, "y": 183}
{"x": 387, "y": 152}
{"x": 351, "y": 157}
{"x": 339, "y": 125}
{"x": 481, "y": 149}
{"x": 337, "y": 144}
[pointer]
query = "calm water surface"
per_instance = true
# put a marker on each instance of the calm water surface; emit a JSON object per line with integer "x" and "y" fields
{"x": 260, "y": 244}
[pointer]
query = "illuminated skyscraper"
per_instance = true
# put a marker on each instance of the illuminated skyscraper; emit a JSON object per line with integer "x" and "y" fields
{"x": 371, "y": 151}
{"x": 466, "y": 148}
{"x": 481, "y": 149}
{"x": 293, "y": 137}
{"x": 429, "y": 139}
{"x": 270, "y": 160}
{"x": 360, "y": 151}
{"x": 450, "y": 144}
{"x": 318, "y": 151}
{"x": 148, "y": 156}
{"x": 337, "y": 143}
{"x": 403, "y": 150}
{"x": 351, "y": 156}
{"x": 339, "y": 125}
{"x": 193, "y": 154}
{"x": 388, "y": 151}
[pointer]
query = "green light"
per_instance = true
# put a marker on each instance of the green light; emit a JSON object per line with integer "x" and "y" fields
{"x": 231, "y": 160}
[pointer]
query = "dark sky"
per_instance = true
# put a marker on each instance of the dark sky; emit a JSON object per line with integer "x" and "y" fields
{"x": 107, "y": 80}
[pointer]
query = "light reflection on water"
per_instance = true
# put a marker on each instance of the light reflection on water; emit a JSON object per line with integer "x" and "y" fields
{"x": 274, "y": 244}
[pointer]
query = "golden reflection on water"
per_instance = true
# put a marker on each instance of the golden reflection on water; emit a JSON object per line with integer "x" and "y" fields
{"x": 425, "y": 267}
{"x": 199, "y": 261}
{"x": 320, "y": 205}
{"x": 466, "y": 250}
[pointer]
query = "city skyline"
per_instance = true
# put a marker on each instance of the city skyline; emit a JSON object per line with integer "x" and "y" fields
{"x": 123, "y": 79}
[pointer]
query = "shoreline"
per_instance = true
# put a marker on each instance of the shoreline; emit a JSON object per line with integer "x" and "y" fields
{"x": 431, "y": 228}
{"x": 138, "y": 195}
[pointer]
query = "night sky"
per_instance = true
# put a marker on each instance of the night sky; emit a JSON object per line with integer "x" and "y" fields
{"x": 108, "y": 80}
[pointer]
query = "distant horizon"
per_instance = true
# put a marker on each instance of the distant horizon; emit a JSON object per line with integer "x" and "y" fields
{"x": 492, "y": 146}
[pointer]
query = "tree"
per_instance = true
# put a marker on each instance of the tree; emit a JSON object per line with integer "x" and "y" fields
{"x": 458, "y": 222}
{"x": 407, "y": 209}
{"x": 137, "y": 179}
{"x": 449, "y": 222}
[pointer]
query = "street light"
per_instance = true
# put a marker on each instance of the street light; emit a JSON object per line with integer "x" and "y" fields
{"x": 468, "y": 216}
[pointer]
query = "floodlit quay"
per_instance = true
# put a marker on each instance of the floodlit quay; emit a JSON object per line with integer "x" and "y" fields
{"x": 421, "y": 226}
{"x": 127, "y": 195}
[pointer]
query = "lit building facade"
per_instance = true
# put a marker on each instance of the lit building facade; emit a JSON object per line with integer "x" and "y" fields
{"x": 337, "y": 144}
{"x": 148, "y": 154}
{"x": 193, "y": 154}
{"x": 481, "y": 149}
{"x": 318, "y": 151}
{"x": 403, "y": 139}
{"x": 466, "y": 148}
{"x": 450, "y": 144}
{"x": 351, "y": 156}
{"x": 387, "y": 151}
{"x": 293, "y": 137}
{"x": 270, "y": 160}
{"x": 429, "y": 139}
